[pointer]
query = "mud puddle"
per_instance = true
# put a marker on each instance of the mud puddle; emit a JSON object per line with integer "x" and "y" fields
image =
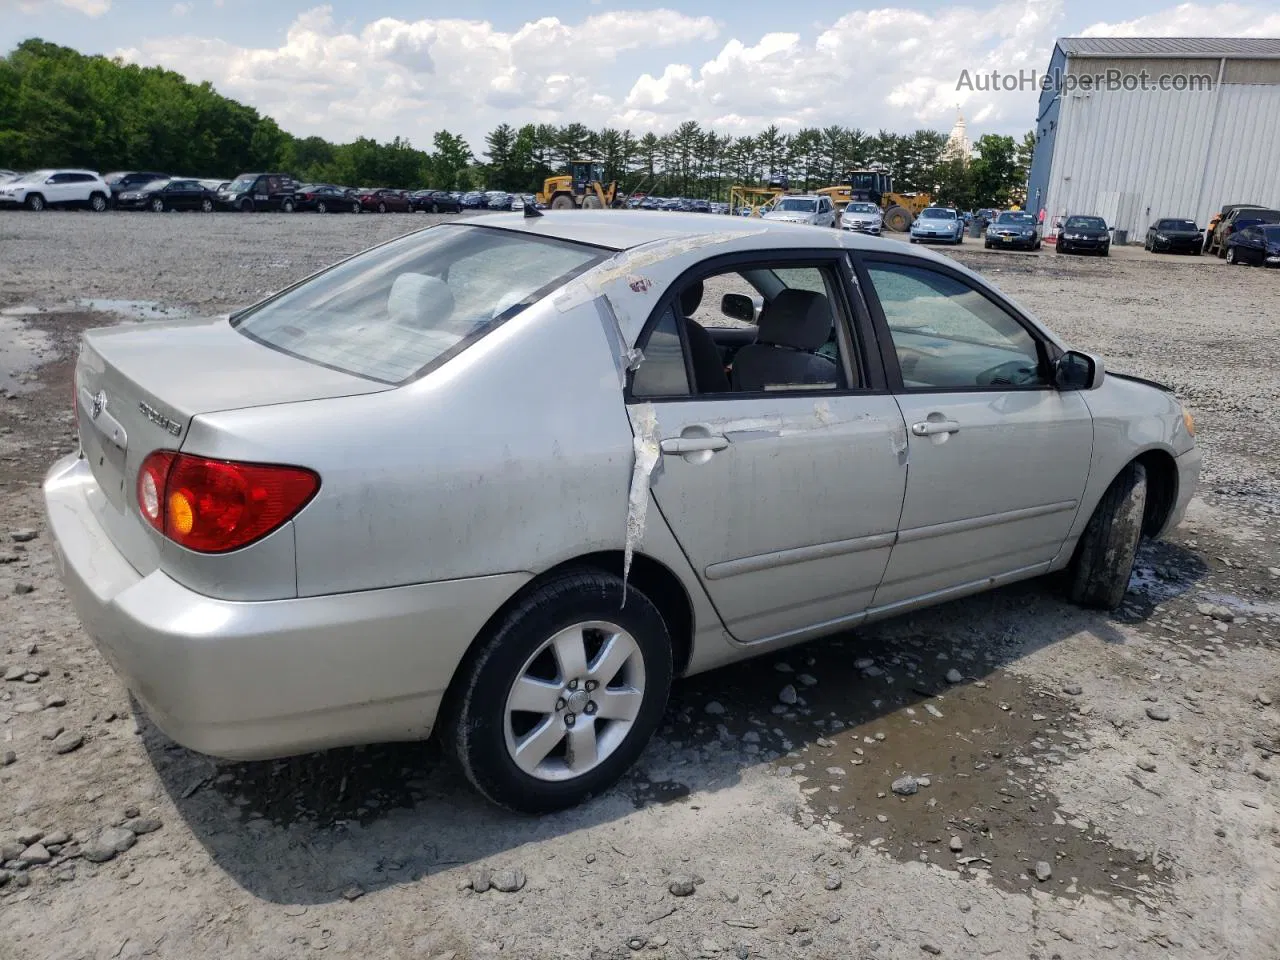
{"x": 977, "y": 752}
{"x": 22, "y": 349}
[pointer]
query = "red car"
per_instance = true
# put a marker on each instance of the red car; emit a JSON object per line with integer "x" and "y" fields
{"x": 383, "y": 200}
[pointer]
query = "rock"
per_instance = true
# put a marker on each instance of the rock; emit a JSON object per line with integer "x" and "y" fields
{"x": 1262, "y": 775}
{"x": 508, "y": 881}
{"x": 930, "y": 949}
{"x": 835, "y": 771}
{"x": 1158, "y": 711}
{"x": 67, "y": 742}
{"x": 808, "y": 679}
{"x": 957, "y": 845}
{"x": 15, "y": 673}
{"x": 923, "y": 781}
{"x": 57, "y": 700}
{"x": 30, "y": 706}
{"x": 833, "y": 881}
{"x": 353, "y": 892}
{"x": 23, "y": 535}
{"x": 933, "y": 711}
{"x": 681, "y": 887}
{"x": 7, "y": 758}
{"x": 751, "y": 737}
{"x": 55, "y": 839}
{"x": 715, "y": 708}
{"x": 130, "y": 812}
{"x": 882, "y": 818}
{"x": 1219, "y": 832}
{"x": 1216, "y": 611}
{"x": 954, "y": 676}
{"x": 1043, "y": 871}
{"x": 22, "y": 588}
{"x": 1148, "y": 765}
{"x": 637, "y": 943}
{"x": 36, "y": 854}
{"x": 50, "y": 731}
{"x": 107, "y": 844}
{"x": 905, "y": 786}
{"x": 862, "y": 663}
{"x": 1264, "y": 699}
{"x": 143, "y": 825}
{"x": 788, "y": 695}
{"x": 27, "y": 836}
{"x": 784, "y": 667}
{"x": 1073, "y": 689}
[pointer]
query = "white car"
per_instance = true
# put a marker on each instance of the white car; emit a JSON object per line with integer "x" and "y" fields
{"x": 57, "y": 188}
{"x": 816, "y": 211}
{"x": 862, "y": 217}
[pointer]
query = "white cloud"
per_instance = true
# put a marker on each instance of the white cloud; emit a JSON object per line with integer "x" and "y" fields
{"x": 892, "y": 68}
{"x": 90, "y": 8}
{"x": 181, "y": 9}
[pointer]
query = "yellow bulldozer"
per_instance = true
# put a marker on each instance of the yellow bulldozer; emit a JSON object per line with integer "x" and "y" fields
{"x": 876, "y": 186}
{"x": 582, "y": 187}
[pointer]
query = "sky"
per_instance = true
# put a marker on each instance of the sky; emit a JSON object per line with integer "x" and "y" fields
{"x": 385, "y": 68}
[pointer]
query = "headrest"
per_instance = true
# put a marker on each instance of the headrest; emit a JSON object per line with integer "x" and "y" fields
{"x": 691, "y": 298}
{"x": 419, "y": 300}
{"x": 796, "y": 318}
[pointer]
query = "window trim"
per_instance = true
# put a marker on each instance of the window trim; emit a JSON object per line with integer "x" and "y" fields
{"x": 854, "y": 333}
{"x": 1048, "y": 350}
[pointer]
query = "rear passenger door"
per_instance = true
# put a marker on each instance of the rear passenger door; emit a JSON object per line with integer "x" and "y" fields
{"x": 998, "y": 456}
{"x": 783, "y": 484}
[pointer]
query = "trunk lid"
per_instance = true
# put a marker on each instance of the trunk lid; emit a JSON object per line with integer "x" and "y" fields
{"x": 138, "y": 386}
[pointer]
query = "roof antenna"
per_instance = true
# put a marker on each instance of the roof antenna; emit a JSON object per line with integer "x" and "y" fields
{"x": 530, "y": 209}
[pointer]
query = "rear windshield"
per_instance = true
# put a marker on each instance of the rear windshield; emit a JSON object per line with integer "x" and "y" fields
{"x": 390, "y": 312}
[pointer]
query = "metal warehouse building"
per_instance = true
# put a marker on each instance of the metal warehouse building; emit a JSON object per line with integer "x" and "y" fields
{"x": 1136, "y": 128}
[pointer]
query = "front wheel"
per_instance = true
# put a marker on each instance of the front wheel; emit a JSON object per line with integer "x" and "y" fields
{"x": 287, "y": 206}
{"x": 1231, "y": 255}
{"x": 322, "y": 207}
{"x": 35, "y": 202}
{"x": 157, "y": 205}
{"x": 355, "y": 207}
{"x": 1103, "y": 562}
{"x": 246, "y": 206}
{"x": 435, "y": 208}
{"x": 382, "y": 208}
{"x": 206, "y": 205}
{"x": 561, "y": 698}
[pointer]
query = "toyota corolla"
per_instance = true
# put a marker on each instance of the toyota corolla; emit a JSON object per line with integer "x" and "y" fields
{"x": 504, "y": 479}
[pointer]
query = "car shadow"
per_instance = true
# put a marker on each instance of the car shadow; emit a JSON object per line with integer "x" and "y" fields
{"x": 314, "y": 828}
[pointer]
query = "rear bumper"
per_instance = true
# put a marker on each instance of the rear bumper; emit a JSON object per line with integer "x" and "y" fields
{"x": 272, "y": 678}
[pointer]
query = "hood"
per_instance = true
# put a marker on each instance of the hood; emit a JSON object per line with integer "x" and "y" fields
{"x": 1178, "y": 233}
{"x": 789, "y": 216}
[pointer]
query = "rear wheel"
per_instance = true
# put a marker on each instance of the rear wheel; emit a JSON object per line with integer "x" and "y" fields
{"x": 1231, "y": 255}
{"x": 591, "y": 202}
{"x": 563, "y": 202}
{"x": 321, "y": 207}
{"x": 98, "y": 203}
{"x": 355, "y": 206}
{"x": 435, "y": 208}
{"x": 898, "y": 218}
{"x": 564, "y": 693}
{"x": 382, "y": 208}
{"x": 35, "y": 202}
{"x": 1103, "y": 562}
{"x": 246, "y": 206}
{"x": 287, "y": 206}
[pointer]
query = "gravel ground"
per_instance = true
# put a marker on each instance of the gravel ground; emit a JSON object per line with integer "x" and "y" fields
{"x": 1002, "y": 776}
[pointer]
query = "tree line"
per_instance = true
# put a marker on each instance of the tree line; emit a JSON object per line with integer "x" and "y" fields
{"x": 59, "y": 107}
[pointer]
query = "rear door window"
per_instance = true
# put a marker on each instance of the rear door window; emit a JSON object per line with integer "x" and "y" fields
{"x": 392, "y": 312}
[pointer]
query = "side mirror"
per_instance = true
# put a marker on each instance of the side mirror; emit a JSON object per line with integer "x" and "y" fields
{"x": 738, "y": 306}
{"x": 1078, "y": 371}
{"x": 50, "y": 180}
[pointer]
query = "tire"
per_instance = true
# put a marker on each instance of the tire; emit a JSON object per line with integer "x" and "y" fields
{"x": 1059, "y": 249}
{"x": 1231, "y": 255}
{"x": 897, "y": 218}
{"x": 246, "y": 206}
{"x": 382, "y": 208}
{"x": 563, "y": 202}
{"x": 355, "y": 206}
{"x": 482, "y": 731}
{"x": 1196, "y": 252}
{"x": 321, "y": 207}
{"x": 435, "y": 208}
{"x": 98, "y": 203}
{"x": 1103, "y": 561}
{"x": 911, "y": 239}
{"x": 986, "y": 244}
{"x": 591, "y": 202}
{"x": 1106, "y": 251}
{"x": 35, "y": 202}
{"x": 286, "y": 206}
{"x": 157, "y": 205}
{"x": 206, "y": 205}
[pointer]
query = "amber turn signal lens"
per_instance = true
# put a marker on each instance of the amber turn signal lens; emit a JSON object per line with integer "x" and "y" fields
{"x": 1189, "y": 422}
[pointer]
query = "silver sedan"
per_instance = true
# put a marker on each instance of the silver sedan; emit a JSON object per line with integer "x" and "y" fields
{"x": 505, "y": 479}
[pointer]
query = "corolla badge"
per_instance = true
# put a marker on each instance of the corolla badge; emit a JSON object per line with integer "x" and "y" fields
{"x": 99, "y": 404}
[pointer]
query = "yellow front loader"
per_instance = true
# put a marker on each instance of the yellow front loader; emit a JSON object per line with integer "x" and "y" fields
{"x": 583, "y": 187}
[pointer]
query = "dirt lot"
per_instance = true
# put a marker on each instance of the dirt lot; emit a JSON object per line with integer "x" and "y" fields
{"x": 1089, "y": 786}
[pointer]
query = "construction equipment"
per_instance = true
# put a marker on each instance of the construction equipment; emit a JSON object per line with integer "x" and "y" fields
{"x": 756, "y": 200}
{"x": 876, "y": 186}
{"x": 582, "y": 187}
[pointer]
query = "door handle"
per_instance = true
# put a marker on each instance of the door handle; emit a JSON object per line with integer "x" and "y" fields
{"x": 931, "y": 428}
{"x": 683, "y": 445}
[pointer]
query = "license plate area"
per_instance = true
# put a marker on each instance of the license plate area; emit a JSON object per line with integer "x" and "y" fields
{"x": 105, "y": 445}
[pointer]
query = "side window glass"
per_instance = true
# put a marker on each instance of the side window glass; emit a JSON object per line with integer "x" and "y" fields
{"x": 663, "y": 372}
{"x": 948, "y": 335}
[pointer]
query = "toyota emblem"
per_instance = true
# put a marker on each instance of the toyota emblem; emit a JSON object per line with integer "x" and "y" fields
{"x": 99, "y": 404}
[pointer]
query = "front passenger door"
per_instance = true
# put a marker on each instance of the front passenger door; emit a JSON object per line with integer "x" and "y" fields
{"x": 997, "y": 455}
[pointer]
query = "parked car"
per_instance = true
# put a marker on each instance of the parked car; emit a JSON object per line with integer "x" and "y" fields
{"x": 40, "y": 189}
{"x": 497, "y": 200}
{"x": 937, "y": 223}
{"x": 326, "y": 198}
{"x": 816, "y": 211}
{"x": 699, "y": 206}
{"x": 253, "y": 564}
{"x": 1214, "y": 237}
{"x": 671, "y": 204}
{"x": 162, "y": 196}
{"x": 520, "y": 201}
{"x": 251, "y": 192}
{"x": 862, "y": 217}
{"x": 986, "y": 216}
{"x": 7, "y": 175}
{"x": 472, "y": 200}
{"x": 1084, "y": 235}
{"x": 651, "y": 203}
{"x": 436, "y": 201}
{"x": 1174, "y": 236}
{"x": 383, "y": 200}
{"x": 1257, "y": 244}
{"x": 122, "y": 181}
{"x": 217, "y": 186}
{"x": 1239, "y": 219}
{"x": 1012, "y": 228}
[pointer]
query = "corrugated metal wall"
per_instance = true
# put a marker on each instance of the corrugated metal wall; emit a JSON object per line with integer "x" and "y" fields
{"x": 1166, "y": 153}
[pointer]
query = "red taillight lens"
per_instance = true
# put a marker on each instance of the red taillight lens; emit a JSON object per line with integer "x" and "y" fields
{"x": 212, "y": 506}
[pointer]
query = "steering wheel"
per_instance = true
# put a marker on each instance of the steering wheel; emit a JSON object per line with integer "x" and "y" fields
{"x": 1014, "y": 373}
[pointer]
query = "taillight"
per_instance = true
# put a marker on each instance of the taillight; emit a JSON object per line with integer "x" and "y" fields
{"x": 212, "y": 506}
